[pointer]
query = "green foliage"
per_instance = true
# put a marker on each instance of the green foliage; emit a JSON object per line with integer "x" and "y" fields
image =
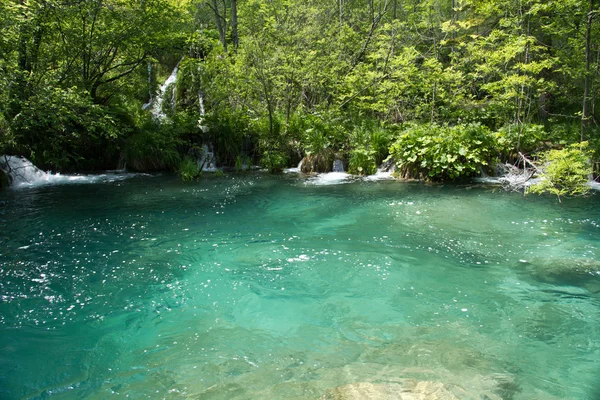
{"x": 362, "y": 162}
{"x": 519, "y": 137}
{"x": 62, "y": 129}
{"x": 153, "y": 148}
{"x": 274, "y": 161}
{"x": 565, "y": 172}
{"x": 189, "y": 169}
{"x": 228, "y": 131}
{"x": 369, "y": 146}
{"x": 7, "y": 140}
{"x": 319, "y": 132}
{"x": 437, "y": 152}
{"x": 308, "y": 78}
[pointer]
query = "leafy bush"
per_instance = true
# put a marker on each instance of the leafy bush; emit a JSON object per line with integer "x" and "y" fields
{"x": 369, "y": 146}
{"x": 189, "y": 169}
{"x": 565, "y": 172}
{"x": 439, "y": 153}
{"x": 228, "y": 131}
{"x": 62, "y": 129}
{"x": 525, "y": 138}
{"x": 275, "y": 161}
{"x": 321, "y": 133}
{"x": 362, "y": 161}
{"x": 153, "y": 148}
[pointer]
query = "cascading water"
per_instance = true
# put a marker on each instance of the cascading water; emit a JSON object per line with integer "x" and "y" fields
{"x": 204, "y": 128}
{"x": 338, "y": 166}
{"x": 207, "y": 160}
{"x": 157, "y": 104}
{"x": 24, "y": 174}
{"x": 297, "y": 169}
{"x": 22, "y": 171}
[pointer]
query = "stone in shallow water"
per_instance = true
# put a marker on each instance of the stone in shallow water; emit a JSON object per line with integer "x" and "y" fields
{"x": 574, "y": 271}
{"x": 409, "y": 390}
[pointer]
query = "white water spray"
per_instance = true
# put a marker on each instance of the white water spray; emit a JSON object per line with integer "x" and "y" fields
{"x": 295, "y": 170}
{"x": 338, "y": 166}
{"x": 207, "y": 161}
{"x": 157, "y": 103}
{"x": 24, "y": 174}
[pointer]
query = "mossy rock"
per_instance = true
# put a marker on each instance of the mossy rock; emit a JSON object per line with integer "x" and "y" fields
{"x": 319, "y": 162}
{"x": 565, "y": 271}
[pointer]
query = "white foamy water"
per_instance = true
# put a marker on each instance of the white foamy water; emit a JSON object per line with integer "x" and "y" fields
{"x": 24, "y": 174}
{"x": 296, "y": 170}
{"x": 514, "y": 181}
{"x": 207, "y": 160}
{"x": 157, "y": 103}
{"x": 594, "y": 185}
{"x": 330, "y": 178}
{"x": 380, "y": 175}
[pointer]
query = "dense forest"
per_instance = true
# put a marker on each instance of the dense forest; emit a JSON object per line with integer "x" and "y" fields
{"x": 446, "y": 88}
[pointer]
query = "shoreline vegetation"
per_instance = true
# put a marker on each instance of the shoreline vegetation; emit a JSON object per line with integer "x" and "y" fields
{"x": 441, "y": 91}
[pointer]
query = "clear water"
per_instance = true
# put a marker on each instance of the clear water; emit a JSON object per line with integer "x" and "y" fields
{"x": 260, "y": 287}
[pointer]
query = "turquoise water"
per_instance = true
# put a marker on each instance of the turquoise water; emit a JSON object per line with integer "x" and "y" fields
{"x": 260, "y": 287}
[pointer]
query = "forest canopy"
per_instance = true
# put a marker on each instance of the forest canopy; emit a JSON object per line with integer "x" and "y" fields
{"x": 274, "y": 82}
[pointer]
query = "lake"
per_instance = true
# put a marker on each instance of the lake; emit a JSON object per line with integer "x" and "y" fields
{"x": 291, "y": 287}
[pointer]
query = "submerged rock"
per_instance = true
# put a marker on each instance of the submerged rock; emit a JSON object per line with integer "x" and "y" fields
{"x": 564, "y": 270}
{"x": 412, "y": 390}
{"x": 409, "y": 389}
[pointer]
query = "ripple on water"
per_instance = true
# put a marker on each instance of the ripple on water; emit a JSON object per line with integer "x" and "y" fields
{"x": 258, "y": 287}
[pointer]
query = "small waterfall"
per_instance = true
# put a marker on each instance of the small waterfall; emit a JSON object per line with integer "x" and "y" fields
{"x": 24, "y": 174}
{"x": 157, "y": 103}
{"x": 202, "y": 127}
{"x": 295, "y": 170}
{"x": 150, "y": 94}
{"x": 22, "y": 171}
{"x": 201, "y": 102}
{"x": 207, "y": 161}
{"x": 338, "y": 166}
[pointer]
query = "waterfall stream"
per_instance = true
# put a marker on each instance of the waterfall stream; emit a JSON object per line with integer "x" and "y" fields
{"x": 24, "y": 174}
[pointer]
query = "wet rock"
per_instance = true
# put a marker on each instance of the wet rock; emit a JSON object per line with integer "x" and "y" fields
{"x": 564, "y": 271}
{"x": 5, "y": 179}
{"x": 319, "y": 162}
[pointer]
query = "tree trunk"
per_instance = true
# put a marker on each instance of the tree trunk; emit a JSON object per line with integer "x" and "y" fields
{"x": 219, "y": 23}
{"x": 234, "y": 25}
{"x": 585, "y": 114}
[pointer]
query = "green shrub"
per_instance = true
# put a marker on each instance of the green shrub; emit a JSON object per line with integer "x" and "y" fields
{"x": 436, "y": 152}
{"x": 152, "y": 149}
{"x": 321, "y": 132}
{"x": 369, "y": 145}
{"x": 362, "y": 161}
{"x": 274, "y": 161}
{"x": 228, "y": 130}
{"x": 565, "y": 172}
{"x": 189, "y": 169}
{"x": 62, "y": 129}
{"x": 525, "y": 137}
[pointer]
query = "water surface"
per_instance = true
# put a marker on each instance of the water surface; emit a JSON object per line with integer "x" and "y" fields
{"x": 252, "y": 286}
